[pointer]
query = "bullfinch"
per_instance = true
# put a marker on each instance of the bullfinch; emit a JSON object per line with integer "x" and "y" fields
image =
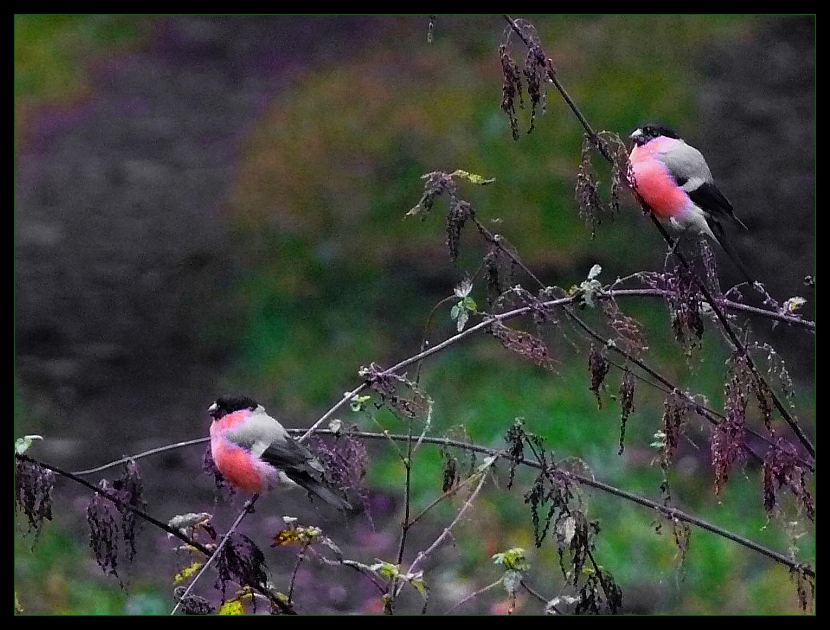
{"x": 253, "y": 451}
{"x": 675, "y": 182}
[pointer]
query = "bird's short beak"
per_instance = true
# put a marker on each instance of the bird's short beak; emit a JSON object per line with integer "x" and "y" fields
{"x": 636, "y": 134}
{"x": 212, "y": 409}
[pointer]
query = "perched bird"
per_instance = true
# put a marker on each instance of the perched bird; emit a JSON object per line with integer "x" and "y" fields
{"x": 674, "y": 180}
{"x": 253, "y": 451}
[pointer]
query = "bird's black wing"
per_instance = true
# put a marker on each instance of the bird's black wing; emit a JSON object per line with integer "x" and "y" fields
{"x": 288, "y": 453}
{"x": 300, "y": 466}
{"x": 713, "y": 201}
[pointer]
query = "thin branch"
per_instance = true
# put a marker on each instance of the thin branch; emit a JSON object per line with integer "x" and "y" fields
{"x": 352, "y": 564}
{"x": 153, "y": 451}
{"x": 540, "y": 597}
{"x": 121, "y": 504}
{"x": 446, "y": 495}
{"x": 729, "y": 304}
{"x": 405, "y": 525}
{"x": 551, "y": 73}
{"x": 480, "y": 591}
{"x": 347, "y": 397}
{"x": 422, "y": 555}
{"x": 300, "y": 558}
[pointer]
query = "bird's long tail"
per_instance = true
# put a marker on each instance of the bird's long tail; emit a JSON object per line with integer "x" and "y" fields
{"x": 723, "y": 241}
{"x": 321, "y": 489}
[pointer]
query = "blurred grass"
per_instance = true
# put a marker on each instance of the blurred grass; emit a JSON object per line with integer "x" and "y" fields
{"x": 336, "y": 278}
{"x": 56, "y": 574}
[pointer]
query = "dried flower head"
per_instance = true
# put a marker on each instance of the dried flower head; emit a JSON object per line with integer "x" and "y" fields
{"x": 113, "y": 522}
{"x": 598, "y": 366}
{"x": 626, "y": 397}
{"x": 33, "y": 492}
{"x": 728, "y": 441}
{"x": 523, "y": 343}
{"x": 241, "y": 561}
{"x": 782, "y": 469}
{"x": 396, "y": 391}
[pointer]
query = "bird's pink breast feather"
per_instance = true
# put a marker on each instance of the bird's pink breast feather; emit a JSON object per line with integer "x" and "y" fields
{"x": 237, "y": 464}
{"x": 654, "y": 182}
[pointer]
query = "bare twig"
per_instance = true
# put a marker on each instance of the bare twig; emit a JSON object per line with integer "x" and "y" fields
{"x": 540, "y": 597}
{"x": 423, "y": 555}
{"x": 300, "y": 558}
{"x": 480, "y": 591}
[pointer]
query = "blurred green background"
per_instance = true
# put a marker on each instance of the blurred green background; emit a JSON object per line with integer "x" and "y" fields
{"x": 217, "y": 204}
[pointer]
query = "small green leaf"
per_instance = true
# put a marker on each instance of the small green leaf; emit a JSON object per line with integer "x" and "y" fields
{"x": 22, "y": 445}
{"x": 386, "y": 569}
{"x": 472, "y": 177}
{"x": 794, "y": 303}
{"x": 513, "y": 559}
{"x": 358, "y": 403}
{"x": 417, "y": 582}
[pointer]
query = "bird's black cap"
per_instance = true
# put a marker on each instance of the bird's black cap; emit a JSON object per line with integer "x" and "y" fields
{"x": 228, "y": 404}
{"x": 649, "y": 131}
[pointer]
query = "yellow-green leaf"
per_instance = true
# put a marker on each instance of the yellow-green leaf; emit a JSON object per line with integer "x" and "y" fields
{"x": 232, "y": 607}
{"x": 472, "y": 177}
{"x": 187, "y": 572}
